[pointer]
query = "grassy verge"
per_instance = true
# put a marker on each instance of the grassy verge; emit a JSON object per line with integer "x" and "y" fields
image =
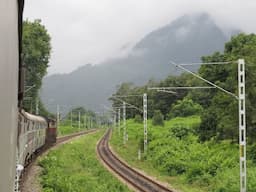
{"x": 66, "y": 129}
{"x": 74, "y": 167}
{"x": 175, "y": 156}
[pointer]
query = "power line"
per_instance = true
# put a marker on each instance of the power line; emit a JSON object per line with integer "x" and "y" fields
{"x": 210, "y": 63}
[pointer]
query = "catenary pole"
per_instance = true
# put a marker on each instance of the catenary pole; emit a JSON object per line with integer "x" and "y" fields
{"x": 241, "y": 114}
{"x": 145, "y": 119}
{"x": 58, "y": 114}
{"x": 242, "y": 123}
{"x": 119, "y": 120}
{"x": 79, "y": 120}
{"x": 124, "y": 123}
{"x": 71, "y": 114}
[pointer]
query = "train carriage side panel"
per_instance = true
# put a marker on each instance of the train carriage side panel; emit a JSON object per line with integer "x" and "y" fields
{"x": 9, "y": 62}
{"x": 34, "y": 131}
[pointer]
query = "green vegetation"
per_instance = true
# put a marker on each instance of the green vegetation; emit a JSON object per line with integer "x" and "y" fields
{"x": 138, "y": 118}
{"x": 184, "y": 108}
{"x": 36, "y": 50}
{"x": 74, "y": 167}
{"x": 223, "y": 107}
{"x": 66, "y": 129}
{"x": 218, "y": 110}
{"x": 88, "y": 120}
{"x": 206, "y": 155}
{"x": 158, "y": 118}
{"x": 176, "y": 156}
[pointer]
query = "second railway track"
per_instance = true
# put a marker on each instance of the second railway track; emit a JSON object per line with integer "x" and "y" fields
{"x": 133, "y": 177}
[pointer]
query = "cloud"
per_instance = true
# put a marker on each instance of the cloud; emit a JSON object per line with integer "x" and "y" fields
{"x": 90, "y": 31}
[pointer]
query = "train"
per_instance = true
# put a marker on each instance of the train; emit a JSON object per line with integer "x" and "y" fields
{"x": 22, "y": 134}
{"x": 34, "y": 134}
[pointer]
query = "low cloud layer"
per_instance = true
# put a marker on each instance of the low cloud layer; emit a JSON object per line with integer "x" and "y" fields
{"x": 86, "y": 31}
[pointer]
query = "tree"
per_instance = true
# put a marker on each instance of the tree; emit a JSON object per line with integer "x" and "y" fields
{"x": 184, "y": 108}
{"x": 225, "y": 107}
{"x": 208, "y": 126}
{"x": 36, "y": 50}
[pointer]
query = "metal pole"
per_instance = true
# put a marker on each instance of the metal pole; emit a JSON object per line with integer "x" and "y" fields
{"x": 241, "y": 114}
{"x": 79, "y": 122}
{"x": 88, "y": 122}
{"x": 242, "y": 123}
{"x": 71, "y": 116}
{"x": 145, "y": 118}
{"x": 114, "y": 120}
{"x": 84, "y": 121}
{"x": 37, "y": 107}
{"x": 119, "y": 120}
{"x": 124, "y": 123}
{"x": 58, "y": 116}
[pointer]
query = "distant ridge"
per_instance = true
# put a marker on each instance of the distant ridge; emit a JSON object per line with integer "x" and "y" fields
{"x": 184, "y": 40}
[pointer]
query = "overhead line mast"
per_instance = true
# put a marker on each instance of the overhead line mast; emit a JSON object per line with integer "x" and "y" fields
{"x": 241, "y": 109}
{"x": 143, "y": 111}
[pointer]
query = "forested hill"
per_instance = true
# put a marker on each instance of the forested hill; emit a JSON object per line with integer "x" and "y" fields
{"x": 184, "y": 40}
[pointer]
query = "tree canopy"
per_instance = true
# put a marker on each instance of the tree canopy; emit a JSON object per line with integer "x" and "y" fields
{"x": 219, "y": 110}
{"x": 36, "y": 49}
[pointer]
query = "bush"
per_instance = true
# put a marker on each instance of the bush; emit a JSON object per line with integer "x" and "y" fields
{"x": 251, "y": 151}
{"x": 208, "y": 127}
{"x": 184, "y": 108}
{"x": 138, "y": 119}
{"x": 181, "y": 131}
{"x": 158, "y": 118}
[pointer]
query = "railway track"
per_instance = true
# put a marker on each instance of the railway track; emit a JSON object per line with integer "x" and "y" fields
{"x": 131, "y": 176}
{"x": 67, "y": 137}
{"x": 59, "y": 141}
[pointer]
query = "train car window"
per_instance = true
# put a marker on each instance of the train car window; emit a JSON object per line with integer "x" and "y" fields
{"x": 19, "y": 125}
{"x": 23, "y": 125}
{"x": 27, "y": 125}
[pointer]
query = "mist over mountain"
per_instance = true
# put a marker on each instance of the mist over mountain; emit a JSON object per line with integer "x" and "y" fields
{"x": 184, "y": 40}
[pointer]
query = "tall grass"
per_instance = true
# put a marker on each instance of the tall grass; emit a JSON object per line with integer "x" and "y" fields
{"x": 175, "y": 155}
{"x": 74, "y": 167}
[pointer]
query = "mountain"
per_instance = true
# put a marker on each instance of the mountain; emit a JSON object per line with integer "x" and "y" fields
{"x": 184, "y": 40}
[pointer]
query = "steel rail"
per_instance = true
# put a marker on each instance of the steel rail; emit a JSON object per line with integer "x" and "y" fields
{"x": 133, "y": 177}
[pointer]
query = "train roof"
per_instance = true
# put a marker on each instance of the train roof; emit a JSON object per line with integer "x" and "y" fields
{"x": 33, "y": 117}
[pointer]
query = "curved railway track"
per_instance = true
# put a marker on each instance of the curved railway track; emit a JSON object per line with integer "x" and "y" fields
{"x": 133, "y": 177}
{"x": 45, "y": 148}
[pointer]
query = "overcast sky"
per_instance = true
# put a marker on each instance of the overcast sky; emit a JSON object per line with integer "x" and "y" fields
{"x": 90, "y": 31}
